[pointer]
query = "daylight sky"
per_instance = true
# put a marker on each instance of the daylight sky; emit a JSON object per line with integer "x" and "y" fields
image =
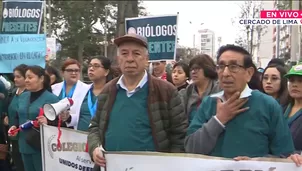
{"x": 216, "y": 16}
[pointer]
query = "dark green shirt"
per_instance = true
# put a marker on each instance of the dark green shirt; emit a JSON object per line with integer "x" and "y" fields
{"x": 2, "y": 101}
{"x": 12, "y": 112}
{"x": 13, "y": 109}
{"x": 28, "y": 111}
{"x": 85, "y": 116}
{"x": 2, "y": 110}
{"x": 257, "y": 132}
{"x": 129, "y": 125}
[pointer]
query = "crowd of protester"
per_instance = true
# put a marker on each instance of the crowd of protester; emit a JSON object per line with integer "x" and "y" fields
{"x": 227, "y": 109}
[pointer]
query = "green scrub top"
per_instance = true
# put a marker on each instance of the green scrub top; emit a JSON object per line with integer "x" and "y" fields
{"x": 85, "y": 116}
{"x": 33, "y": 109}
{"x": 2, "y": 104}
{"x": 13, "y": 112}
{"x": 292, "y": 118}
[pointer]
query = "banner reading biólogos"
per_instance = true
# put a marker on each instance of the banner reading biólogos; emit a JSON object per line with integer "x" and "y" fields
{"x": 16, "y": 49}
{"x": 161, "y": 32}
{"x": 21, "y": 17}
{"x": 70, "y": 156}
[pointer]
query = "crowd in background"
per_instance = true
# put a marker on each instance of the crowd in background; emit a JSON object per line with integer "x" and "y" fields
{"x": 33, "y": 86}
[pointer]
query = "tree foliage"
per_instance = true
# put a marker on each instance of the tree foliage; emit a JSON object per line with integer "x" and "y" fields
{"x": 284, "y": 4}
{"x": 184, "y": 54}
{"x": 250, "y": 33}
{"x": 80, "y": 26}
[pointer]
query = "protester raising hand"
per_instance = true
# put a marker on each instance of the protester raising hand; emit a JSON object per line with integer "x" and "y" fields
{"x": 226, "y": 111}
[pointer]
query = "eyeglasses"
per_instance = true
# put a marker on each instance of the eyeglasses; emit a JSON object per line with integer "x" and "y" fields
{"x": 95, "y": 66}
{"x": 72, "y": 70}
{"x": 195, "y": 69}
{"x": 272, "y": 79}
{"x": 232, "y": 67}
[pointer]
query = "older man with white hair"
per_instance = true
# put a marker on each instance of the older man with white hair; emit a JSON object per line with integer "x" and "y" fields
{"x": 137, "y": 111}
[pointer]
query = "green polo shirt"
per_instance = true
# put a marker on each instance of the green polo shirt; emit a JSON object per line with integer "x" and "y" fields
{"x": 129, "y": 125}
{"x": 257, "y": 132}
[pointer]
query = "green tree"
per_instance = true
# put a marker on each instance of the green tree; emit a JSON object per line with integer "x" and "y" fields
{"x": 184, "y": 54}
{"x": 73, "y": 24}
{"x": 250, "y": 34}
{"x": 80, "y": 25}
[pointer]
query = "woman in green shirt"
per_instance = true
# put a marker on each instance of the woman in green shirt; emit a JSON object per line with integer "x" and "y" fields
{"x": 19, "y": 79}
{"x": 37, "y": 84}
{"x": 98, "y": 73}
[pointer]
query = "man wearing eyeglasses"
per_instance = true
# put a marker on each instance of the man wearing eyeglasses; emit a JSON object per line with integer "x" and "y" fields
{"x": 238, "y": 121}
{"x": 137, "y": 111}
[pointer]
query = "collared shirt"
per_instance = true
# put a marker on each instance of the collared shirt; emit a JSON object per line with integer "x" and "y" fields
{"x": 247, "y": 92}
{"x": 140, "y": 85}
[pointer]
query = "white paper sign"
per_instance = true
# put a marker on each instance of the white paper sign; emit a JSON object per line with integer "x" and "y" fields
{"x": 51, "y": 48}
{"x": 164, "y": 162}
{"x": 71, "y": 156}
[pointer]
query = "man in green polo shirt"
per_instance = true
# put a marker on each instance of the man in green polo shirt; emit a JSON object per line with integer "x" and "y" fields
{"x": 137, "y": 111}
{"x": 238, "y": 121}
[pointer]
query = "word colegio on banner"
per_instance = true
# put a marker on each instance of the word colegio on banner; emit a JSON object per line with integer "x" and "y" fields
{"x": 156, "y": 31}
{"x": 71, "y": 155}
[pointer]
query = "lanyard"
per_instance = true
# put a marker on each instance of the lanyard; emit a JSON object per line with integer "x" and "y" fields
{"x": 91, "y": 107}
{"x": 70, "y": 94}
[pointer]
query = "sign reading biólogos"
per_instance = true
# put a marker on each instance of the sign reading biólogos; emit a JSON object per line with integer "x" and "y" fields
{"x": 135, "y": 161}
{"x": 70, "y": 156}
{"x": 21, "y": 17}
{"x": 161, "y": 32}
{"x": 16, "y": 49}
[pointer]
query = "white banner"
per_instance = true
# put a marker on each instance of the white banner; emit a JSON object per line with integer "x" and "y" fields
{"x": 70, "y": 156}
{"x": 51, "y": 49}
{"x": 179, "y": 162}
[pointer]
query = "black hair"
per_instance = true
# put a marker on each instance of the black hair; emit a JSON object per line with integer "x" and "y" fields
{"x": 283, "y": 92}
{"x": 247, "y": 58}
{"x": 276, "y": 61}
{"x": 106, "y": 62}
{"x": 21, "y": 69}
{"x": 40, "y": 72}
{"x": 53, "y": 71}
{"x": 184, "y": 66}
{"x": 255, "y": 82}
{"x": 207, "y": 64}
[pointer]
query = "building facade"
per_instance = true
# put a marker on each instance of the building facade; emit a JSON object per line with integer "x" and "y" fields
{"x": 207, "y": 42}
{"x": 284, "y": 33}
{"x": 263, "y": 40}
